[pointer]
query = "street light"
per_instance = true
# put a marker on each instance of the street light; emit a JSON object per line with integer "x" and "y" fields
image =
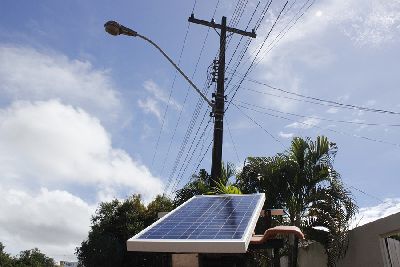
{"x": 114, "y": 28}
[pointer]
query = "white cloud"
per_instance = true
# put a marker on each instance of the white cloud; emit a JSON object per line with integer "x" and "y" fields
{"x": 159, "y": 94}
{"x": 278, "y": 75}
{"x": 47, "y": 145}
{"x": 305, "y": 124}
{"x": 369, "y": 214}
{"x": 54, "y": 221}
{"x": 54, "y": 144}
{"x": 370, "y": 102}
{"x": 374, "y": 22}
{"x": 29, "y": 74}
{"x": 367, "y": 23}
{"x": 152, "y": 104}
{"x": 332, "y": 110}
{"x": 286, "y": 135}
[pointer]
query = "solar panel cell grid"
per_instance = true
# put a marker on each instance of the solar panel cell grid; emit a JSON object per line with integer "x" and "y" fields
{"x": 224, "y": 217}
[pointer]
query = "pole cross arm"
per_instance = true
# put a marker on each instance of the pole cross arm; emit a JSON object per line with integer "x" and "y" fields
{"x": 212, "y": 24}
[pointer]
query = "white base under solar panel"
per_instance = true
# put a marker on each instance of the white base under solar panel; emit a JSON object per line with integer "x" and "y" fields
{"x": 194, "y": 245}
{"x": 188, "y": 246}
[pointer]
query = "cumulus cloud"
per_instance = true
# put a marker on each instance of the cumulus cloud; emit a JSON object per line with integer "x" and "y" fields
{"x": 52, "y": 143}
{"x": 369, "y": 214}
{"x": 54, "y": 221}
{"x": 30, "y": 74}
{"x": 152, "y": 103}
{"x": 56, "y": 158}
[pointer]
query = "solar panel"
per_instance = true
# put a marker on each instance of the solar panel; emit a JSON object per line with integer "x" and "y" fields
{"x": 203, "y": 224}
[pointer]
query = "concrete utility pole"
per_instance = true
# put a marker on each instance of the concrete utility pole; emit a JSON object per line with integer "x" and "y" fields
{"x": 219, "y": 106}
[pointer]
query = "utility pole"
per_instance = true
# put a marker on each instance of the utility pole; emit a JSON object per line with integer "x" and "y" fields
{"x": 219, "y": 106}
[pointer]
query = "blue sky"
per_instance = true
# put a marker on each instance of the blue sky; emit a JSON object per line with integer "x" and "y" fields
{"x": 81, "y": 111}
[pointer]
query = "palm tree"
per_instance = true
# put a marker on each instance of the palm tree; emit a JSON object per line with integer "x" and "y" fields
{"x": 303, "y": 181}
{"x": 199, "y": 184}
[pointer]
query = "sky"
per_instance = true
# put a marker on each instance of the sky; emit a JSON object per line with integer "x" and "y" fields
{"x": 87, "y": 117}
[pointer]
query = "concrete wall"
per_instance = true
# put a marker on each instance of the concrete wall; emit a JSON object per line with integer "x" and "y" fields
{"x": 367, "y": 243}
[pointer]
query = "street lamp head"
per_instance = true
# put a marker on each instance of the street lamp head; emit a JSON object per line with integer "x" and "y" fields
{"x": 114, "y": 28}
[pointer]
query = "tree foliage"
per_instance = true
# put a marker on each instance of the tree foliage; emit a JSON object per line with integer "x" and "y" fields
{"x": 26, "y": 258}
{"x": 199, "y": 184}
{"x": 5, "y": 259}
{"x": 112, "y": 225}
{"x": 303, "y": 181}
{"x": 33, "y": 258}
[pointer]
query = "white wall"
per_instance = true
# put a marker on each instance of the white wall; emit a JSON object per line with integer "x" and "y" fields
{"x": 367, "y": 243}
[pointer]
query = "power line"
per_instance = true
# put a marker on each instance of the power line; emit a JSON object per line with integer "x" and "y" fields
{"x": 241, "y": 37}
{"x": 365, "y": 193}
{"x": 188, "y": 159}
{"x": 290, "y": 7}
{"x": 172, "y": 87}
{"x": 319, "y": 118}
{"x": 177, "y": 123}
{"x": 321, "y": 128}
{"x": 238, "y": 10}
{"x": 336, "y": 103}
{"x": 291, "y": 98}
{"x": 263, "y": 13}
{"x": 205, "y": 153}
{"x": 218, "y": 107}
{"x": 248, "y": 42}
{"x": 189, "y": 130}
{"x": 170, "y": 94}
{"x": 191, "y": 124}
{"x": 256, "y": 123}
{"x": 209, "y": 136}
{"x": 201, "y": 154}
{"x": 187, "y": 162}
{"x": 287, "y": 25}
{"x": 251, "y": 65}
{"x": 275, "y": 37}
{"x": 280, "y": 33}
{"x": 194, "y": 6}
{"x": 185, "y": 140}
{"x": 236, "y": 18}
{"x": 273, "y": 43}
{"x": 233, "y": 142}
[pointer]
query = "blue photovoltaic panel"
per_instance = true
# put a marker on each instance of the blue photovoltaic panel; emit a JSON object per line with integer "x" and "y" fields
{"x": 207, "y": 217}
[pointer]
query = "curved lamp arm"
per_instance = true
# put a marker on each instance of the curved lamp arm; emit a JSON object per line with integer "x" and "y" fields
{"x": 114, "y": 28}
